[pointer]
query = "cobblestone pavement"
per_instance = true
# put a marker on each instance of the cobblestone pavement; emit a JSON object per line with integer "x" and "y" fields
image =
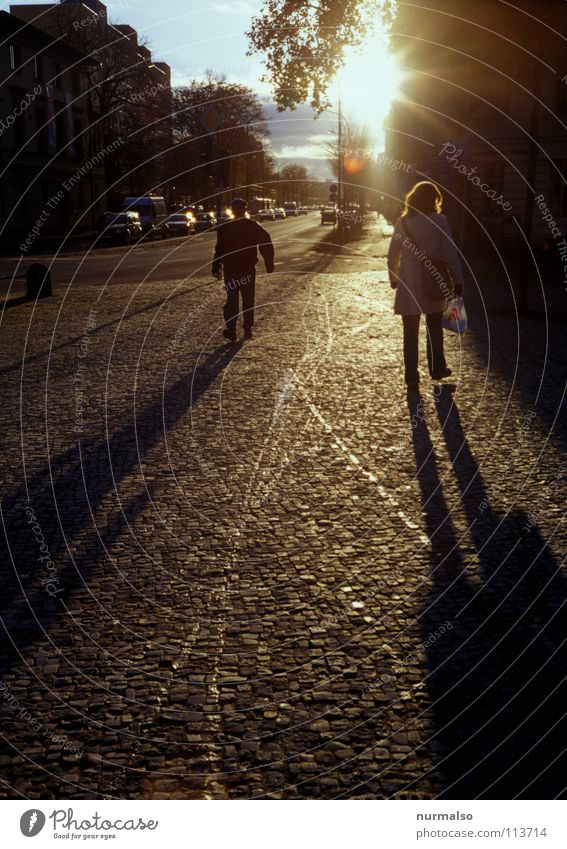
{"x": 258, "y": 570}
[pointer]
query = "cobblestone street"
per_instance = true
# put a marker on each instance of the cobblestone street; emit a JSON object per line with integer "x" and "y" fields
{"x": 258, "y": 570}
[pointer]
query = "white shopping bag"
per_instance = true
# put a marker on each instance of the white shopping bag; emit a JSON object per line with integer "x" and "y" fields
{"x": 455, "y": 316}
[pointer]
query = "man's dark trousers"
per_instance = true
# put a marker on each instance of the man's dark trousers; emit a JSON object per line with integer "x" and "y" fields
{"x": 236, "y": 283}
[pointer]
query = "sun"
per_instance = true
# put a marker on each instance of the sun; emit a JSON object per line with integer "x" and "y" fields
{"x": 368, "y": 83}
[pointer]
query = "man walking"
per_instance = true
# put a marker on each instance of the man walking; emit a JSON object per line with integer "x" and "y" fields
{"x": 235, "y": 251}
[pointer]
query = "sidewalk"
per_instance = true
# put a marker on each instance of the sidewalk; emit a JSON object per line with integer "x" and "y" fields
{"x": 267, "y": 574}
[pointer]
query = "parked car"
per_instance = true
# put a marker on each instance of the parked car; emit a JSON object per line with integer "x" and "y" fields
{"x": 205, "y": 221}
{"x": 328, "y": 215}
{"x": 302, "y": 210}
{"x": 181, "y": 224}
{"x": 280, "y": 212}
{"x": 124, "y": 227}
{"x": 267, "y": 215}
{"x": 153, "y": 214}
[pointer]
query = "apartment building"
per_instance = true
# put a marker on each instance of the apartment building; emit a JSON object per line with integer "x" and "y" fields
{"x": 44, "y": 135}
{"x": 129, "y": 94}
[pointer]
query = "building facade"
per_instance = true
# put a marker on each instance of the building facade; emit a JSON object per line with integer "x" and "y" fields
{"x": 46, "y": 174}
{"x": 484, "y": 116}
{"x": 129, "y": 94}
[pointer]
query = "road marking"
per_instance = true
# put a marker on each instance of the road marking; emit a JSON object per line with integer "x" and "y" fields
{"x": 362, "y": 327}
{"x": 370, "y": 476}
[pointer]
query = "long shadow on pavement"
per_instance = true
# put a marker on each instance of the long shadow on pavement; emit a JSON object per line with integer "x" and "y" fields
{"x": 64, "y": 497}
{"x": 496, "y": 675}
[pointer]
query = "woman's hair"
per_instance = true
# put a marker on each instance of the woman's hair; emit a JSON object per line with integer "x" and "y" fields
{"x": 424, "y": 197}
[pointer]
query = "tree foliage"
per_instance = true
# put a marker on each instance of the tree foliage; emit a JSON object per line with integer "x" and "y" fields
{"x": 236, "y": 154}
{"x": 304, "y": 43}
{"x": 294, "y": 182}
{"x": 356, "y": 150}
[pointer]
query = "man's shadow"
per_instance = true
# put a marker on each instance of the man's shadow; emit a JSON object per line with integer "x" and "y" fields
{"x": 65, "y": 496}
{"x": 496, "y": 676}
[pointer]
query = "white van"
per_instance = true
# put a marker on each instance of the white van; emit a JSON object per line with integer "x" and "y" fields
{"x": 153, "y": 214}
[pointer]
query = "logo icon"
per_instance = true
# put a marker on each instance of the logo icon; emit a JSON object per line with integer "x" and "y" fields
{"x": 32, "y": 822}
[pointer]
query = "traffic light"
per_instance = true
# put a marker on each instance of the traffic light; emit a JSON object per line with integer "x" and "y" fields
{"x": 334, "y": 193}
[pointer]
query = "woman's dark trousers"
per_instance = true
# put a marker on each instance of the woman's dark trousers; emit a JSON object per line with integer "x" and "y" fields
{"x": 435, "y": 354}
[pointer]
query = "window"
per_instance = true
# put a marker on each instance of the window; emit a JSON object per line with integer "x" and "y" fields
{"x": 15, "y": 57}
{"x": 37, "y": 68}
{"x": 559, "y": 187}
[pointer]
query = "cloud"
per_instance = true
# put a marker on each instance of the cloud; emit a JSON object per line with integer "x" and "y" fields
{"x": 306, "y": 151}
{"x": 239, "y": 7}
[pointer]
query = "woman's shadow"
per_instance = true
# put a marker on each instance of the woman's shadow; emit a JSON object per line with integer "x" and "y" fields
{"x": 496, "y": 676}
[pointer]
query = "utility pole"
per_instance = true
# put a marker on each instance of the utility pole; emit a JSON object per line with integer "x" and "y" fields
{"x": 340, "y": 153}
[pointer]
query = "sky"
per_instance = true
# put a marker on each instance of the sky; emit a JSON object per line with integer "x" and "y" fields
{"x": 194, "y": 35}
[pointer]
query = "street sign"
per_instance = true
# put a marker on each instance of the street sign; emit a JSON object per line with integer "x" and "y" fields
{"x": 211, "y": 119}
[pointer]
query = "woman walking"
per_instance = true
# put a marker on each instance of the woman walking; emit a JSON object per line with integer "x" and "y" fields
{"x": 421, "y": 232}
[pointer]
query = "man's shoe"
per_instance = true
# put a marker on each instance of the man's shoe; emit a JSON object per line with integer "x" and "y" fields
{"x": 439, "y": 375}
{"x": 248, "y": 334}
{"x": 230, "y": 336}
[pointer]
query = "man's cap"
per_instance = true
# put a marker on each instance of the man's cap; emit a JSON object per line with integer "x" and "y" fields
{"x": 239, "y": 202}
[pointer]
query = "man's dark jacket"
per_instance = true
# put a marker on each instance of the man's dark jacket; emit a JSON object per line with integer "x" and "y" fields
{"x": 237, "y": 241}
